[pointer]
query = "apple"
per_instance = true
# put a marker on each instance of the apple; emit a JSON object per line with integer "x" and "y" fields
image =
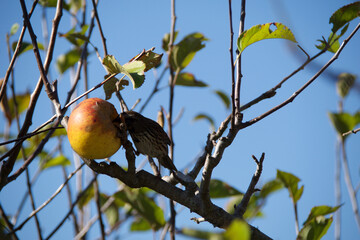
{"x": 91, "y": 131}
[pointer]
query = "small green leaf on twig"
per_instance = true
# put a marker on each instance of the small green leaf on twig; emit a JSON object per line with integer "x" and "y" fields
{"x": 344, "y": 83}
{"x": 262, "y": 32}
{"x": 26, "y": 46}
{"x": 208, "y": 118}
{"x": 14, "y": 28}
{"x": 67, "y": 60}
{"x": 189, "y": 80}
{"x": 290, "y": 181}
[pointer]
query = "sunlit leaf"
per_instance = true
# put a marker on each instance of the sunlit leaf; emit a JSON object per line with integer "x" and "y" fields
{"x": 59, "y": 160}
{"x": 112, "y": 65}
{"x": 290, "y": 181}
{"x": 166, "y": 40}
{"x": 53, "y": 3}
{"x": 320, "y": 211}
{"x": 344, "y": 15}
{"x": 140, "y": 224}
{"x": 206, "y": 117}
{"x": 332, "y": 43}
{"x": 344, "y": 122}
{"x": 315, "y": 229}
{"x": 185, "y": 50}
{"x": 189, "y": 80}
{"x": 26, "y": 46}
{"x": 201, "y": 234}
{"x": 224, "y": 98}
{"x": 253, "y": 209}
{"x": 143, "y": 205}
{"x": 149, "y": 58}
{"x": 262, "y": 32}
{"x": 220, "y": 189}
{"x": 67, "y": 60}
{"x": 14, "y": 28}
{"x": 134, "y": 67}
{"x": 344, "y": 83}
{"x": 238, "y": 229}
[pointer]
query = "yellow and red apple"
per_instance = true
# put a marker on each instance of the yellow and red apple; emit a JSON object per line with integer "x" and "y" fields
{"x": 91, "y": 131}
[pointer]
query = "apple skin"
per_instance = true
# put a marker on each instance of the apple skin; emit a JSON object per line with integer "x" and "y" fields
{"x": 91, "y": 131}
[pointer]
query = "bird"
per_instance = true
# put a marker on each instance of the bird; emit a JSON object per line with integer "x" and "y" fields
{"x": 149, "y": 137}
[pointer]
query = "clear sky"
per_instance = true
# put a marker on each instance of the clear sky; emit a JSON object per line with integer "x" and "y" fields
{"x": 298, "y": 139}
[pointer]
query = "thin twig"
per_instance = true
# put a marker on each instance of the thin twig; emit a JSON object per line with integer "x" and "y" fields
{"x": 71, "y": 209}
{"x": 103, "y": 39}
{"x": 50, "y": 199}
{"x": 311, "y": 80}
{"x": 354, "y": 131}
{"x": 98, "y": 207}
{"x": 232, "y": 68}
{"x": 241, "y": 208}
{"x": 8, "y": 223}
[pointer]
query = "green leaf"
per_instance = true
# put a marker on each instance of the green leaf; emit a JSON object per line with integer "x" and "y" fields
{"x": 76, "y": 38}
{"x": 262, "y": 32}
{"x": 112, "y": 212}
{"x": 333, "y": 42}
{"x": 291, "y": 183}
{"x": 253, "y": 209}
{"x": 86, "y": 197}
{"x": 53, "y": 3}
{"x": 189, "y": 80}
{"x": 185, "y": 50}
{"x": 143, "y": 205}
{"x": 140, "y": 224}
{"x": 134, "y": 67}
{"x": 200, "y": 234}
{"x": 150, "y": 59}
{"x": 344, "y": 15}
{"x": 112, "y": 65}
{"x": 344, "y": 122}
{"x": 224, "y": 98}
{"x": 208, "y": 118}
{"x": 344, "y": 83}
{"x": 26, "y": 46}
{"x": 220, "y": 189}
{"x": 271, "y": 187}
{"x": 238, "y": 229}
{"x": 320, "y": 211}
{"x": 22, "y": 101}
{"x": 14, "y": 28}
{"x": 315, "y": 229}
{"x": 113, "y": 85}
{"x": 67, "y": 60}
{"x": 59, "y": 160}
{"x": 166, "y": 40}
{"x": 137, "y": 79}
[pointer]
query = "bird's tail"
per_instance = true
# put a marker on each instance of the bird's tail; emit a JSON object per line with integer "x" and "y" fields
{"x": 168, "y": 163}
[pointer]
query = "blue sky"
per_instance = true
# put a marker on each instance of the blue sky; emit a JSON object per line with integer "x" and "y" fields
{"x": 298, "y": 139}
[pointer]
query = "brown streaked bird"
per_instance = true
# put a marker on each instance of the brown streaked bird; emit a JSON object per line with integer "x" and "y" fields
{"x": 149, "y": 137}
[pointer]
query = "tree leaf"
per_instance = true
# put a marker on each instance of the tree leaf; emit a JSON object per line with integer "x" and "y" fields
{"x": 238, "y": 229}
{"x": 112, "y": 65}
{"x": 185, "y": 50}
{"x": 143, "y": 205}
{"x": 224, "y": 98}
{"x": 262, "y": 32}
{"x": 149, "y": 58}
{"x": 86, "y": 197}
{"x": 253, "y": 209}
{"x": 22, "y": 101}
{"x": 344, "y": 83}
{"x": 25, "y": 46}
{"x": 166, "y": 40}
{"x": 189, "y": 80}
{"x": 315, "y": 229}
{"x": 208, "y": 118}
{"x": 344, "y": 15}
{"x": 53, "y": 3}
{"x": 220, "y": 189}
{"x": 67, "y": 60}
{"x": 320, "y": 211}
{"x": 14, "y": 28}
{"x": 112, "y": 212}
{"x": 290, "y": 181}
{"x": 134, "y": 67}
{"x": 76, "y": 38}
{"x": 271, "y": 187}
{"x": 140, "y": 224}
{"x": 344, "y": 122}
{"x": 200, "y": 234}
{"x": 59, "y": 160}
